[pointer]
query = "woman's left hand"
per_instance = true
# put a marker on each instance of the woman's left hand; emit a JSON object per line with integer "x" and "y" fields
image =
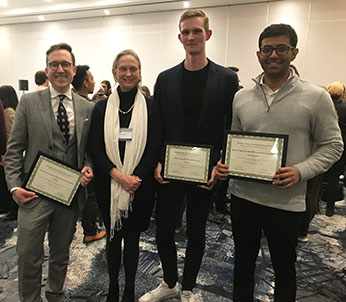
{"x": 130, "y": 183}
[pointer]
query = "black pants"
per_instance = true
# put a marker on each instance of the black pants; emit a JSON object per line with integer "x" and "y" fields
{"x": 90, "y": 212}
{"x": 313, "y": 189}
{"x": 331, "y": 177}
{"x": 6, "y": 201}
{"x": 280, "y": 228}
{"x": 169, "y": 200}
{"x": 130, "y": 257}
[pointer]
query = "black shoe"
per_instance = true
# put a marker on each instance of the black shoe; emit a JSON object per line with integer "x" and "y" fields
{"x": 222, "y": 208}
{"x": 128, "y": 296}
{"x": 330, "y": 209}
{"x": 113, "y": 295}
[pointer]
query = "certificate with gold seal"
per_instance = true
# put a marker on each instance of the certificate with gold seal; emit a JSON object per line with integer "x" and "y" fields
{"x": 53, "y": 179}
{"x": 254, "y": 156}
{"x": 187, "y": 163}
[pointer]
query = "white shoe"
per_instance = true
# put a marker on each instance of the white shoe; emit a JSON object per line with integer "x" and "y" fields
{"x": 187, "y": 296}
{"x": 303, "y": 239}
{"x": 340, "y": 203}
{"x": 162, "y": 292}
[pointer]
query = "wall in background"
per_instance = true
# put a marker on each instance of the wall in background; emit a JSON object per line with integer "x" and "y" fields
{"x": 320, "y": 24}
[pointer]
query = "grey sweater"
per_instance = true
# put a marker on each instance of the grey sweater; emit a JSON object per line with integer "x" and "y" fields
{"x": 306, "y": 113}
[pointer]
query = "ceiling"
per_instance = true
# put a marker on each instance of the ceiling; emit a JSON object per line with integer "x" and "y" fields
{"x": 27, "y": 11}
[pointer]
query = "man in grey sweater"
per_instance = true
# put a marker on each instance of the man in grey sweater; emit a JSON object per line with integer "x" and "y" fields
{"x": 282, "y": 103}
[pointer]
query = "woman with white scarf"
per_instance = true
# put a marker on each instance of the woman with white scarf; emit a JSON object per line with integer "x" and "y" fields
{"x": 124, "y": 153}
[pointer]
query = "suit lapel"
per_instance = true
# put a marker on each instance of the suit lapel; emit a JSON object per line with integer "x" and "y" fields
{"x": 209, "y": 92}
{"x": 45, "y": 110}
{"x": 78, "y": 118}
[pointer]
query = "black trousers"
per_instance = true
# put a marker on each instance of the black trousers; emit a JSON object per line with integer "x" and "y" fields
{"x": 6, "y": 201}
{"x": 90, "y": 212}
{"x": 313, "y": 189}
{"x": 129, "y": 254}
{"x": 331, "y": 177}
{"x": 280, "y": 228}
{"x": 168, "y": 205}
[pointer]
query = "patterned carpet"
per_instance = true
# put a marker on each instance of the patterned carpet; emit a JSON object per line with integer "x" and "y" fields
{"x": 320, "y": 267}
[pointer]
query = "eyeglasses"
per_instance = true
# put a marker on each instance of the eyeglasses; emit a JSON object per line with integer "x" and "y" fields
{"x": 124, "y": 69}
{"x": 55, "y": 65}
{"x": 281, "y": 50}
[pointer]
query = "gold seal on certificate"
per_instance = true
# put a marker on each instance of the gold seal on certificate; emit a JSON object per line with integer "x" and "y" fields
{"x": 53, "y": 179}
{"x": 187, "y": 163}
{"x": 254, "y": 156}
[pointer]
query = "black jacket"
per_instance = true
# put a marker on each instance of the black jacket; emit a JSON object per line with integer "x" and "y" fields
{"x": 143, "y": 201}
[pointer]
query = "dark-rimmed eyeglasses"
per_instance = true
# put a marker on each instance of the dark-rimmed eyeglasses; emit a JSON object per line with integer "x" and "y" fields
{"x": 55, "y": 65}
{"x": 281, "y": 50}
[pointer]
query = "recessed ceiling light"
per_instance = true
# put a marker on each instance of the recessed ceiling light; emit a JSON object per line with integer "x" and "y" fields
{"x": 41, "y": 18}
{"x": 3, "y": 3}
{"x": 48, "y": 0}
{"x": 106, "y": 11}
{"x": 186, "y": 4}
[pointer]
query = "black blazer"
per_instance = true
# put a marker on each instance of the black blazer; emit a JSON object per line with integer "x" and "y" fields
{"x": 216, "y": 110}
{"x": 144, "y": 197}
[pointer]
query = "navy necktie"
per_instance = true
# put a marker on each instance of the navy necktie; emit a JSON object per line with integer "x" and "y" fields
{"x": 62, "y": 119}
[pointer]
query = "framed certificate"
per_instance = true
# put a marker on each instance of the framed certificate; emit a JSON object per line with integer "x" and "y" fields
{"x": 187, "y": 163}
{"x": 52, "y": 179}
{"x": 254, "y": 156}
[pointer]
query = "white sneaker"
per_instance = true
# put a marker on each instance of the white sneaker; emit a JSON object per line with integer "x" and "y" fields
{"x": 340, "y": 203}
{"x": 303, "y": 239}
{"x": 187, "y": 296}
{"x": 162, "y": 292}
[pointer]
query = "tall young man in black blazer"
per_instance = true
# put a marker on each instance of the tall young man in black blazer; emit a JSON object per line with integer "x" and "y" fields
{"x": 194, "y": 101}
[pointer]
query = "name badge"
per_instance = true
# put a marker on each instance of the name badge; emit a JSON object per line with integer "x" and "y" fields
{"x": 125, "y": 134}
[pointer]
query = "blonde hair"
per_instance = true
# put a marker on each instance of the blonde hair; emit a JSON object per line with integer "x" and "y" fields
{"x": 336, "y": 90}
{"x": 191, "y": 13}
{"x": 124, "y": 53}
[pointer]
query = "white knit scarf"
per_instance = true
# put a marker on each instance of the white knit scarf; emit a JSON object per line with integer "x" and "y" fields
{"x": 121, "y": 200}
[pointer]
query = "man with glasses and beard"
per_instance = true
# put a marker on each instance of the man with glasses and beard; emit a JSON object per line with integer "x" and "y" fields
{"x": 279, "y": 102}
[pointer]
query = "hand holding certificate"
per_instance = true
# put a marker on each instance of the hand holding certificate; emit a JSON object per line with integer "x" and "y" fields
{"x": 254, "y": 156}
{"x": 187, "y": 163}
{"x": 53, "y": 179}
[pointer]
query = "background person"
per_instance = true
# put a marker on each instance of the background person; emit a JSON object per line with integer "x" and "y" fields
{"x": 3, "y": 136}
{"x": 104, "y": 91}
{"x": 9, "y": 100}
{"x": 331, "y": 177}
{"x": 84, "y": 84}
{"x": 41, "y": 80}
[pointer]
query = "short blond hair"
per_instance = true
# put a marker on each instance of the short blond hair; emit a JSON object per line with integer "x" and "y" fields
{"x": 191, "y": 13}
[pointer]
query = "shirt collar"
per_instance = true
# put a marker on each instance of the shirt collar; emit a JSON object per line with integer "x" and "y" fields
{"x": 263, "y": 84}
{"x": 54, "y": 93}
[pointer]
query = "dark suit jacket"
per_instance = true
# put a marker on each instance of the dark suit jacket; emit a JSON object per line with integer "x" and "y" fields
{"x": 216, "y": 109}
{"x": 144, "y": 197}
